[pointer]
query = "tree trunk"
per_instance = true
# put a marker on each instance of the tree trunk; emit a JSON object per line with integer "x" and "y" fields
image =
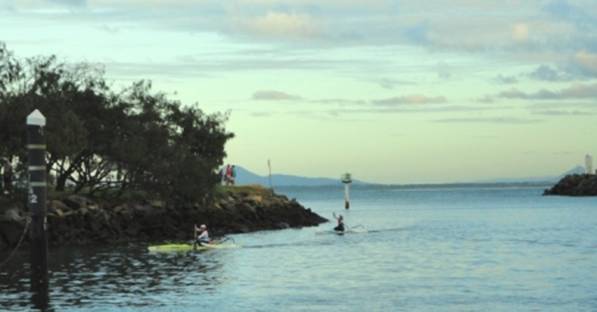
{"x": 61, "y": 182}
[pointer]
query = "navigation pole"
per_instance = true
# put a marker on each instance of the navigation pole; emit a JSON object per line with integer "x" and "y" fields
{"x": 36, "y": 202}
{"x": 346, "y": 179}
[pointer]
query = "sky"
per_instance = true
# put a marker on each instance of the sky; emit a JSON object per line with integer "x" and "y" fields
{"x": 392, "y": 91}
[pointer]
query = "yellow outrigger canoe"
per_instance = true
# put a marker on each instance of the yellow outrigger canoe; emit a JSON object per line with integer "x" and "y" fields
{"x": 188, "y": 247}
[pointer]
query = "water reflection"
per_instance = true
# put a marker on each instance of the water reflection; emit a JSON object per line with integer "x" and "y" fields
{"x": 123, "y": 276}
{"x": 40, "y": 297}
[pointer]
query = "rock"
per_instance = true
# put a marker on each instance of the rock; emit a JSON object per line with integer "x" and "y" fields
{"x": 254, "y": 199}
{"x": 120, "y": 209}
{"x": 96, "y": 226}
{"x": 133, "y": 230}
{"x": 57, "y": 205}
{"x": 575, "y": 185}
{"x": 59, "y": 213}
{"x": 158, "y": 203}
{"x": 282, "y": 225}
{"x": 143, "y": 210}
{"x": 77, "y": 201}
{"x": 14, "y": 215}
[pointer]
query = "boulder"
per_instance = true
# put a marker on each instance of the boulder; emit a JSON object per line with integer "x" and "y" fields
{"x": 77, "y": 201}
{"x": 57, "y": 208}
{"x": 282, "y": 225}
{"x": 13, "y": 215}
{"x": 56, "y": 204}
{"x": 143, "y": 210}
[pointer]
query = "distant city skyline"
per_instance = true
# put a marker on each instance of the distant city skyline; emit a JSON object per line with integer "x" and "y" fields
{"x": 391, "y": 91}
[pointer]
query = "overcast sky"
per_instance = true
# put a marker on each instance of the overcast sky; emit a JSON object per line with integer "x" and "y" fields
{"x": 399, "y": 91}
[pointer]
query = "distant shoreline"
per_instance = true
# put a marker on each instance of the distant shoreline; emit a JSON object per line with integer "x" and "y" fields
{"x": 413, "y": 185}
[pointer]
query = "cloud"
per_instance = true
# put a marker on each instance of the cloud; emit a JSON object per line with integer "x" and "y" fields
{"x": 467, "y": 25}
{"x": 495, "y": 120}
{"x": 576, "y": 14}
{"x": 389, "y": 83}
{"x": 501, "y": 79}
{"x": 271, "y": 95}
{"x": 520, "y": 32}
{"x": 418, "y": 34}
{"x": 262, "y": 114}
{"x": 109, "y": 29}
{"x": 578, "y": 91}
{"x": 546, "y": 73}
{"x": 487, "y": 99}
{"x": 75, "y": 3}
{"x": 285, "y": 25}
{"x": 203, "y": 63}
{"x": 410, "y": 99}
{"x": 443, "y": 70}
{"x": 142, "y": 3}
{"x": 587, "y": 61}
{"x": 384, "y": 110}
{"x": 553, "y": 112}
{"x": 342, "y": 102}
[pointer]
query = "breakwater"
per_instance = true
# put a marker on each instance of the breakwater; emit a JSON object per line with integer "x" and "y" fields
{"x": 76, "y": 219}
{"x": 575, "y": 185}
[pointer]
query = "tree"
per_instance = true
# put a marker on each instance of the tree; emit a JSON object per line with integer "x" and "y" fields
{"x": 99, "y": 139}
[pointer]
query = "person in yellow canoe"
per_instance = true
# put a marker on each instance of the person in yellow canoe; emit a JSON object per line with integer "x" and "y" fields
{"x": 203, "y": 237}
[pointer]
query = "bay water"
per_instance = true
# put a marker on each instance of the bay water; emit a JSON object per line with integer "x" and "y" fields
{"x": 408, "y": 248}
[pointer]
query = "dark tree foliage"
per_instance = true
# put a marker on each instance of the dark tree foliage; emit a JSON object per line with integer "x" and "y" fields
{"x": 98, "y": 139}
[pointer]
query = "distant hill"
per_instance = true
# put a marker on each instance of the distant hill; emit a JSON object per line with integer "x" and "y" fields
{"x": 244, "y": 176}
{"x": 576, "y": 170}
{"x": 552, "y": 179}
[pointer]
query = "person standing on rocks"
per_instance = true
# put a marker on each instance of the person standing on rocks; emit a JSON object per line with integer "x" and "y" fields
{"x": 228, "y": 173}
{"x": 221, "y": 175}
{"x": 232, "y": 174}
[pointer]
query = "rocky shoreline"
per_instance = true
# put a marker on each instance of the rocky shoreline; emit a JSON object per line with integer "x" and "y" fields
{"x": 575, "y": 185}
{"x": 78, "y": 220}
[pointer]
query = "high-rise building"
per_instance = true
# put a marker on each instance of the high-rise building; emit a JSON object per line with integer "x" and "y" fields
{"x": 589, "y": 164}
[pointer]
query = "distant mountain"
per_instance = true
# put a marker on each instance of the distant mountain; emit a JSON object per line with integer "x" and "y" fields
{"x": 552, "y": 179}
{"x": 244, "y": 176}
{"x": 576, "y": 170}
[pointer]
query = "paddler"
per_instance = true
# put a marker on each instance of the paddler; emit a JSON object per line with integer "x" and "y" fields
{"x": 203, "y": 237}
{"x": 340, "y": 226}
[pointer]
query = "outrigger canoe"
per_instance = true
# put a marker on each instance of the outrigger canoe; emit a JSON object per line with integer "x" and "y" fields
{"x": 355, "y": 230}
{"x": 188, "y": 247}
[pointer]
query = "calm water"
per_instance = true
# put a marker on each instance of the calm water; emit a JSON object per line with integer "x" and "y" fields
{"x": 467, "y": 248}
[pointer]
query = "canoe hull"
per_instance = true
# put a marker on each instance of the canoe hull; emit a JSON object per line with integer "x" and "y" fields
{"x": 187, "y": 247}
